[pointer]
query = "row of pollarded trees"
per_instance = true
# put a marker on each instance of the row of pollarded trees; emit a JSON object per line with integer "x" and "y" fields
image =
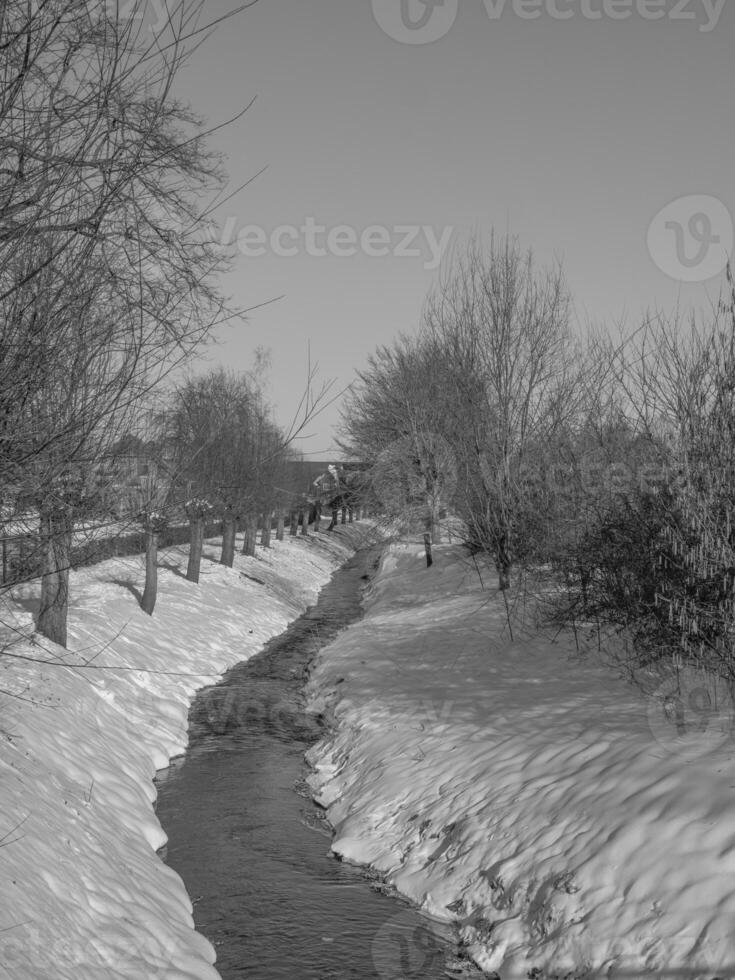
{"x": 219, "y": 456}
{"x": 108, "y": 274}
{"x": 206, "y": 451}
{"x": 609, "y": 459}
{"x": 230, "y": 451}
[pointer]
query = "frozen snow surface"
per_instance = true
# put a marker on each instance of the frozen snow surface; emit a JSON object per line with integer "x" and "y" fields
{"x": 84, "y": 896}
{"x": 569, "y": 825}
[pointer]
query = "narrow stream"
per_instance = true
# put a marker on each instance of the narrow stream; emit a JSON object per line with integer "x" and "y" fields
{"x": 252, "y": 847}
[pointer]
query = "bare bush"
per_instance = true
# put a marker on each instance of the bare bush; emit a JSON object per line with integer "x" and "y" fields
{"x": 500, "y": 326}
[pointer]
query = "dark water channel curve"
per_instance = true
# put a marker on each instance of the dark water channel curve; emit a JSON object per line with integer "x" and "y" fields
{"x": 253, "y": 848}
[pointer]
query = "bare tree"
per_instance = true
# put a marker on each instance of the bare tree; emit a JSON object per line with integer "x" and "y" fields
{"x": 501, "y": 327}
{"x": 394, "y": 420}
{"x": 88, "y": 126}
{"x": 106, "y": 270}
{"x": 455, "y": 416}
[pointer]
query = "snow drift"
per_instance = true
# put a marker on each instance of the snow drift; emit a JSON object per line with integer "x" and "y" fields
{"x": 569, "y": 826}
{"x": 85, "y": 895}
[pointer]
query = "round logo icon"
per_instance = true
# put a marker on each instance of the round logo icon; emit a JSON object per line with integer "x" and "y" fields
{"x": 413, "y": 472}
{"x": 406, "y": 949}
{"x": 691, "y": 713}
{"x": 691, "y": 239}
{"x": 415, "y": 21}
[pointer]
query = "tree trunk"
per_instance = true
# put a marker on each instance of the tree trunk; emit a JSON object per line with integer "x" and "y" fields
{"x": 293, "y": 523}
{"x": 229, "y": 529}
{"x": 56, "y": 545}
{"x": 503, "y": 564}
{"x": 584, "y": 581}
{"x": 251, "y": 536}
{"x": 304, "y": 518}
{"x": 335, "y": 518}
{"x": 427, "y": 549}
{"x": 344, "y": 515}
{"x": 351, "y": 515}
{"x": 150, "y": 592}
{"x": 317, "y": 515}
{"x": 265, "y": 537}
{"x": 280, "y": 521}
{"x": 196, "y": 543}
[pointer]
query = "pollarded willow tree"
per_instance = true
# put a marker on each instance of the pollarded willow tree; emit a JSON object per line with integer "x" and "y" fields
{"x": 225, "y": 444}
{"x": 107, "y": 273}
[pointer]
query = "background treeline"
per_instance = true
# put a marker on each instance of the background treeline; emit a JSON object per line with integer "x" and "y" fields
{"x": 109, "y": 271}
{"x": 607, "y": 463}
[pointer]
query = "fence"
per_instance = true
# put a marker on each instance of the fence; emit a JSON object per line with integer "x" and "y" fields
{"x": 22, "y": 557}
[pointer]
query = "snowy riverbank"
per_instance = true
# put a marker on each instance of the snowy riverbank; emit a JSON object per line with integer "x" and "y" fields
{"x": 568, "y": 825}
{"x": 85, "y": 897}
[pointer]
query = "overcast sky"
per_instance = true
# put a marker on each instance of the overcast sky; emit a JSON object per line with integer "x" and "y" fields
{"x": 573, "y": 134}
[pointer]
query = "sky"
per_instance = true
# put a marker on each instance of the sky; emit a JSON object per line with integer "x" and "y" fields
{"x": 599, "y": 132}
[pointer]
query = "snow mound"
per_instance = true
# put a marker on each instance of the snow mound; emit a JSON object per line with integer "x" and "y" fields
{"x": 85, "y": 896}
{"x": 568, "y": 825}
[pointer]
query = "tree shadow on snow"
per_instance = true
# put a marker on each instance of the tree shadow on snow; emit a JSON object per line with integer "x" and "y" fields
{"x": 170, "y": 567}
{"x": 30, "y": 603}
{"x": 125, "y": 584}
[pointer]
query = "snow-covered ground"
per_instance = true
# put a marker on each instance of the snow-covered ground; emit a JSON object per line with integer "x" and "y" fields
{"x": 84, "y": 895}
{"x": 568, "y": 825}
{"x": 571, "y": 826}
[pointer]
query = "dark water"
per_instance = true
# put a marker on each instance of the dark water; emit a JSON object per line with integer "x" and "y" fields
{"x": 253, "y": 848}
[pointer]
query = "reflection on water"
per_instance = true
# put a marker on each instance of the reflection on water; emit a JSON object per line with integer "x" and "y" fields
{"x": 251, "y": 846}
